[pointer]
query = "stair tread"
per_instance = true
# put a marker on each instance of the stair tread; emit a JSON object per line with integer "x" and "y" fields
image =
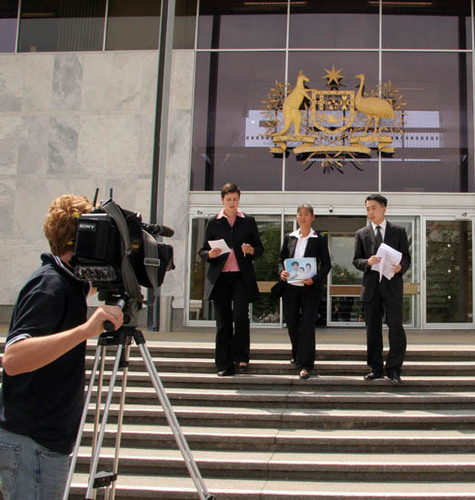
{"x": 452, "y": 490}
{"x": 352, "y": 460}
{"x": 258, "y": 432}
{"x": 306, "y": 411}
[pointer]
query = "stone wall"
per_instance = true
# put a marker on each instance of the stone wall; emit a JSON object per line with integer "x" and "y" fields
{"x": 69, "y": 122}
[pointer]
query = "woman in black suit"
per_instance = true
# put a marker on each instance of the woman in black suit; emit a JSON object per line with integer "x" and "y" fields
{"x": 301, "y": 300}
{"x": 231, "y": 280}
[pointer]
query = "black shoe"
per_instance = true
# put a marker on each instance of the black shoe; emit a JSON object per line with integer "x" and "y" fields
{"x": 243, "y": 367}
{"x": 226, "y": 373}
{"x": 395, "y": 376}
{"x": 373, "y": 375}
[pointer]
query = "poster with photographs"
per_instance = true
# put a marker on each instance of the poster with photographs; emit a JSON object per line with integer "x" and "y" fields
{"x": 300, "y": 269}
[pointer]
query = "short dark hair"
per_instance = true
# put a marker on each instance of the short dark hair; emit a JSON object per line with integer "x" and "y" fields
{"x": 305, "y": 206}
{"x": 229, "y": 187}
{"x": 379, "y": 198}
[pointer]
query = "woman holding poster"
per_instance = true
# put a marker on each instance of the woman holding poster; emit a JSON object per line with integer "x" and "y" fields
{"x": 302, "y": 297}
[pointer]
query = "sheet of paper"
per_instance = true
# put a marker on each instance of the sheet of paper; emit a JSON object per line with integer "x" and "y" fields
{"x": 389, "y": 258}
{"x": 221, "y": 244}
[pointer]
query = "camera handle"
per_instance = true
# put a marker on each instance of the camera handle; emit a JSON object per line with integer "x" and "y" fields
{"x": 123, "y": 338}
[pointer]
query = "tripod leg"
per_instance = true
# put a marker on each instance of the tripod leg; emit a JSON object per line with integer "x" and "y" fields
{"x": 105, "y": 415}
{"x": 83, "y": 421}
{"x": 174, "y": 424}
{"x": 120, "y": 417}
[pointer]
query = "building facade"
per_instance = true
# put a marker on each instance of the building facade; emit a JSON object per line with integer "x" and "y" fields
{"x": 164, "y": 103}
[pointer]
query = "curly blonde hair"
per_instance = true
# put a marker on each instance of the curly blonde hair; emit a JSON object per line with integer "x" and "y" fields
{"x": 61, "y": 220}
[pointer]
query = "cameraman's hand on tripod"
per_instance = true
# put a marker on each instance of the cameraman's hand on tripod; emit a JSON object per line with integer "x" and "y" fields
{"x": 95, "y": 324}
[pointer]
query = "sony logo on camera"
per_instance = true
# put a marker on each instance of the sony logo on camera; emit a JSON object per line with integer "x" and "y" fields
{"x": 87, "y": 226}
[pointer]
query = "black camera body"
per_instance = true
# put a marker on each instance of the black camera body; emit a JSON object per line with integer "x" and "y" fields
{"x": 117, "y": 252}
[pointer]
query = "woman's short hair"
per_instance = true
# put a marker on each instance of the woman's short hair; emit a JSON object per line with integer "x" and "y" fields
{"x": 61, "y": 221}
{"x": 229, "y": 187}
{"x": 305, "y": 206}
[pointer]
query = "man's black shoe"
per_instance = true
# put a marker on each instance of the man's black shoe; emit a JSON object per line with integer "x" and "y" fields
{"x": 395, "y": 376}
{"x": 373, "y": 376}
{"x": 226, "y": 373}
{"x": 243, "y": 367}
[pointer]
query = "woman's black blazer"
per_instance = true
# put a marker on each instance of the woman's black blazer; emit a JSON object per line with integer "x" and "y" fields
{"x": 244, "y": 231}
{"x": 316, "y": 247}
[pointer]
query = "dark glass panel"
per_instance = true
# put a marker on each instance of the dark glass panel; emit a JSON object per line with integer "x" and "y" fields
{"x": 358, "y": 175}
{"x": 444, "y": 24}
{"x": 238, "y": 24}
{"x": 267, "y": 308}
{"x": 342, "y": 24}
{"x": 133, "y": 25}
{"x": 436, "y": 152}
{"x": 449, "y": 271}
{"x": 227, "y": 146}
{"x": 61, "y": 25}
{"x": 8, "y": 25}
{"x": 185, "y": 22}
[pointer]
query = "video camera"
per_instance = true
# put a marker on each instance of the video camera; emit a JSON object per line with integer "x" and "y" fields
{"x": 118, "y": 252}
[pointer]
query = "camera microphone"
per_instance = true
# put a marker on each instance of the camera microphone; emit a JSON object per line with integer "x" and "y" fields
{"x": 159, "y": 230}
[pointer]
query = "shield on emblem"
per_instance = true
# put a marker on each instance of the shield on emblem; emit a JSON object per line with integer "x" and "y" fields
{"x": 332, "y": 111}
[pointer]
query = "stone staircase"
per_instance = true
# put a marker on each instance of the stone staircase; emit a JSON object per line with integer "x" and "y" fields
{"x": 269, "y": 435}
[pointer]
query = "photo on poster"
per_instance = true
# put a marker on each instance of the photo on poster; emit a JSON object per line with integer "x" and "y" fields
{"x": 300, "y": 269}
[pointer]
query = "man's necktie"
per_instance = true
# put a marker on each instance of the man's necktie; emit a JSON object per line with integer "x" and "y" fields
{"x": 379, "y": 236}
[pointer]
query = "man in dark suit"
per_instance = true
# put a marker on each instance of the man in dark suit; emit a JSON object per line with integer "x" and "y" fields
{"x": 382, "y": 296}
{"x": 231, "y": 280}
{"x": 301, "y": 300}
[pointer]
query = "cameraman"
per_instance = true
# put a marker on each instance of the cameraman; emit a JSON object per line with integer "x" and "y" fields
{"x": 42, "y": 395}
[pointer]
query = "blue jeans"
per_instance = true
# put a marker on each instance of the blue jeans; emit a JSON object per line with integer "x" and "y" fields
{"x": 29, "y": 471}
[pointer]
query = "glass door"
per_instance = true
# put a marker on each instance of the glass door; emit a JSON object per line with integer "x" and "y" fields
{"x": 344, "y": 307}
{"x": 448, "y": 279}
{"x": 344, "y": 281}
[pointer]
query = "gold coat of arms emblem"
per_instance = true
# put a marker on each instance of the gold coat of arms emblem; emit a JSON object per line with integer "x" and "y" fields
{"x": 333, "y": 124}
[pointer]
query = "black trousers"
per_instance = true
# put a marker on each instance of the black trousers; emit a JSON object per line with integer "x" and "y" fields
{"x": 385, "y": 302}
{"x": 231, "y": 306}
{"x": 300, "y": 311}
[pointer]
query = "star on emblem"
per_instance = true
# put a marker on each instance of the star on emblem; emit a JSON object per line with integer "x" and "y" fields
{"x": 333, "y": 77}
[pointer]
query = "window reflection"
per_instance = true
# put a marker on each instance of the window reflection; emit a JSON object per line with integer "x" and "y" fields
{"x": 133, "y": 25}
{"x": 343, "y": 24}
{"x": 449, "y": 272}
{"x": 233, "y": 24}
{"x": 228, "y": 88}
{"x": 436, "y": 152}
{"x": 61, "y": 25}
{"x": 444, "y": 24}
{"x": 185, "y": 22}
{"x": 8, "y": 25}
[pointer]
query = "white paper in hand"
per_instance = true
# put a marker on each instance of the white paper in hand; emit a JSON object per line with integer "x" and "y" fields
{"x": 221, "y": 244}
{"x": 390, "y": 257}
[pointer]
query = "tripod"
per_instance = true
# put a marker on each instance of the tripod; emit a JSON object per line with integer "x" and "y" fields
{"x": 123, "y": 338}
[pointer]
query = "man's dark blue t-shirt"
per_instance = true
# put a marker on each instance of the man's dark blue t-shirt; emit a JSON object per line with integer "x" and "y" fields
{"x": 47, "y": 404}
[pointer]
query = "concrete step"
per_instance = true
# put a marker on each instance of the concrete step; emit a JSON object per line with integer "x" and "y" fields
{"x": 298, "y": 440}
{"x": 282, "y": 352}
{"x": 300, "y": 398}
{"x": 301, "y": 418}
{"x": 281, "y": 382}
{"x": 290, "y": 466}
{"x": 183, "y": 488}
{"x": 333, "y": 367}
